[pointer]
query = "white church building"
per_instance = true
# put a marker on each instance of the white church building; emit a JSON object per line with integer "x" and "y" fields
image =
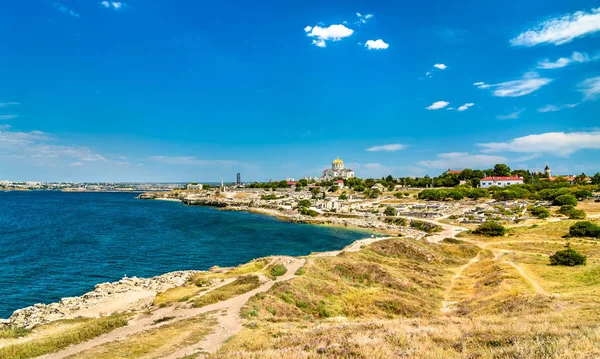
{"x": 337, "y": 170}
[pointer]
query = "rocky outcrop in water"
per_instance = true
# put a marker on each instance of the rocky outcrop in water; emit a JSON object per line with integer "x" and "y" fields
{"x": 68, "y": 307}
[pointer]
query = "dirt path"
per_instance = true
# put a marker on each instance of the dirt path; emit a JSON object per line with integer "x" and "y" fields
{"x": 228, "y": 325}
{"x": 448, "y": 230}
{"x": 538, "y": 288}
{"x": 448, "y": 306}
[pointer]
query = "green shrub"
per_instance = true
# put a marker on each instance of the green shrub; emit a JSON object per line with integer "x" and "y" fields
{"x": 540, "y": 212}
{"x": 490, "y": 229}
{"x": 425, "y": 226}
{"x": 390, "y": 211}
{"x": 398, "y": 221}
{"x": 566, "y": 209}
{"x": 582, "y": 194}
{"x": 452, "y": 241}
{"x": 585, "y": 229}
{"x": 564, "y": 200}
{"x": 577, "y": 214}
{"x": 308, "y": 212}
{"x": 477, "y": 193}
{"x": 568, "y": 257}
{"x": 278, "y": 270}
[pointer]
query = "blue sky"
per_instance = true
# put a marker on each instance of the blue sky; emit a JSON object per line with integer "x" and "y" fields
{"x": 198, "y": 90}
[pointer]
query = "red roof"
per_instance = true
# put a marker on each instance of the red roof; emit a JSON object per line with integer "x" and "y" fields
{"x": 454, "y": 172}
{"x": 512, "y": 178}
{"x": 291, "y": 183}
{"x": 339, "y": 181}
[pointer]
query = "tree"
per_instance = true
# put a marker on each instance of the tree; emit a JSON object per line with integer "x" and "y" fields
{"x": 585, "y": 229}
{"x": 582, "y": 194}
{"x": 303, "y": 203}
{"x": 206, "y": 187}
{"x": 501, "y": 170}
{"x": 390, "y": 211}
{"x": 315, "y": 191}
{"x": 581, "y": 179}
{"x": 540, "y": 212}
{"x": 343, "y": 197}
{"x": 596, "y": 178}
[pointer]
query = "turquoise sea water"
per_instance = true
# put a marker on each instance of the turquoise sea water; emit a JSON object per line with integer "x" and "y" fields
{"x": 55, "y": 245}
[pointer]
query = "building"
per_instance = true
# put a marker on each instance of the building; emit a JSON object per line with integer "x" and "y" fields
{"x": 454, "y": 172}
{"x": 488, "y": 182}
{"x": 337, "y": 170}
{"x": 378, "y": 187}
{"x": 547, "y": 171}
{"x": 339, "y": 184}
{"x": 191, "y": 186}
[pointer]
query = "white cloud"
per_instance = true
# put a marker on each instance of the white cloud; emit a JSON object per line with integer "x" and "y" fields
{"x": 65, "y": 10}
{"x": 478, "y": 83}
{"x": 590, "y": 88}
{"x": 362, "y": 19}
{"x": 376, "y": 45}
{"x": 465, "y": 106}
{"x": 388, "y": 148}
{"x": 529, "y": 83}
{"x": 116, "y": 5}
{"x": 5, "y": 104}
{"x": 438, "y": 105}
{"x": 511, "y": 116}
{"x": 560, "y": 30}
{"x": 554, "y": 108}
{"x": 557, "y": 143}
{"x": 7, "y": 117}
{"x": 38, "y": 145}
{"x": 324, "y": 34}
{"x": 190, "y": 161}
{"x": 565, "y": 61}
{"x": 440, "y": 66}
{"x": 462, "y": 160}
{"x": 76, "y": 164}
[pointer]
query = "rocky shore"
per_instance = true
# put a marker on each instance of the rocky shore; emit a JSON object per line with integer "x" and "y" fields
{"x": 106, "y": 298}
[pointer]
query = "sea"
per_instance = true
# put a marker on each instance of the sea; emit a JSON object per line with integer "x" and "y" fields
{"x": 55, "y": 245}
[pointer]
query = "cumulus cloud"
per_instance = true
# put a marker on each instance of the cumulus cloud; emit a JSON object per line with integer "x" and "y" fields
{"x": 511, "y": 116}
{"x": 331, "y": 33}
{"x": 376, "y": 45}
{"x": 462, "y": 160}
{"x": 529, "y": 83}
{"x": 7, "y": 117}
{"x": 560, "y": 30}
{"x": 388, "y": 148}
{"x": 556, "y": 143}
{"x": 590, "y": 88}
{"x": 440, "y": 66}
{"x": 465, "y": 106}
{"x": 577, "y": 57}
{"x": 116, "y": 5}
{"x": 65, "y": 10}
{"x": 438, "y": 105}
{"x": 554, "y": 108}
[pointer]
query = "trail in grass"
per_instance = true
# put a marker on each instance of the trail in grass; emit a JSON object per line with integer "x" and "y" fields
{"x": 227, "y": 326}
{"x": 448, "y": 306}
{"x": 538, "y": 288}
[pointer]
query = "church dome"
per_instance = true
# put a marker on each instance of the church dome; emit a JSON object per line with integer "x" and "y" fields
{"x": 337, "y": 160}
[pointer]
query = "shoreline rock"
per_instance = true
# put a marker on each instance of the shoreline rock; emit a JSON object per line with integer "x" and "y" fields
{"x": 70, "y": 307}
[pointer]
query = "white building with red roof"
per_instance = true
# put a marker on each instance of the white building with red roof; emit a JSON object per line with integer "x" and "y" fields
{"x": 501, "y": 181}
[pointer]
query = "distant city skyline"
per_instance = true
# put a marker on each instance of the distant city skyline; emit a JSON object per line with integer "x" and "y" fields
{"x": 177, "y": 92}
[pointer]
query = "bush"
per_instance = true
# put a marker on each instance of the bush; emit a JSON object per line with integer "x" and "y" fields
{"x": 490, "y": 229}
{"x": 452, "y": 241}
{"x": 398, "y": 221}
{"x": 565, "y": 199}
{"x": 308, "y": 212}
{"x": 566, "y": 209}
{"x": 477, "y": 193}
{"x": 425, "y": 226}
{"x": 568, "y": 257}
{"x": 577, "y": 214}
{"x": 585, "y": 229}
{"x": 390, "y": 211}
{"x": 540, "y": 212}
{"x": 278, "y": 270}
{"x": 582, "y": 194}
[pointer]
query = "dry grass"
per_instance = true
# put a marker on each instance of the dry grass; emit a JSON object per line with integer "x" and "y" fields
{"x": 177, "y": 294}
{"x": 154, "y": 343}
{"x": 239, "y": 286}
{"x": 87, "y": 330}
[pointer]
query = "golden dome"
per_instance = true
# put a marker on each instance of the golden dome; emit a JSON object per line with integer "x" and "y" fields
{"x": 337, "y": 160}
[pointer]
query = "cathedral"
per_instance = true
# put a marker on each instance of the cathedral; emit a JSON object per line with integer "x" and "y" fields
{"x": 337, "y": 170}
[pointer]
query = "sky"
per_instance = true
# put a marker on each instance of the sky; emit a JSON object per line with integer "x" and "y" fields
{"x": 188, "y": 90}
